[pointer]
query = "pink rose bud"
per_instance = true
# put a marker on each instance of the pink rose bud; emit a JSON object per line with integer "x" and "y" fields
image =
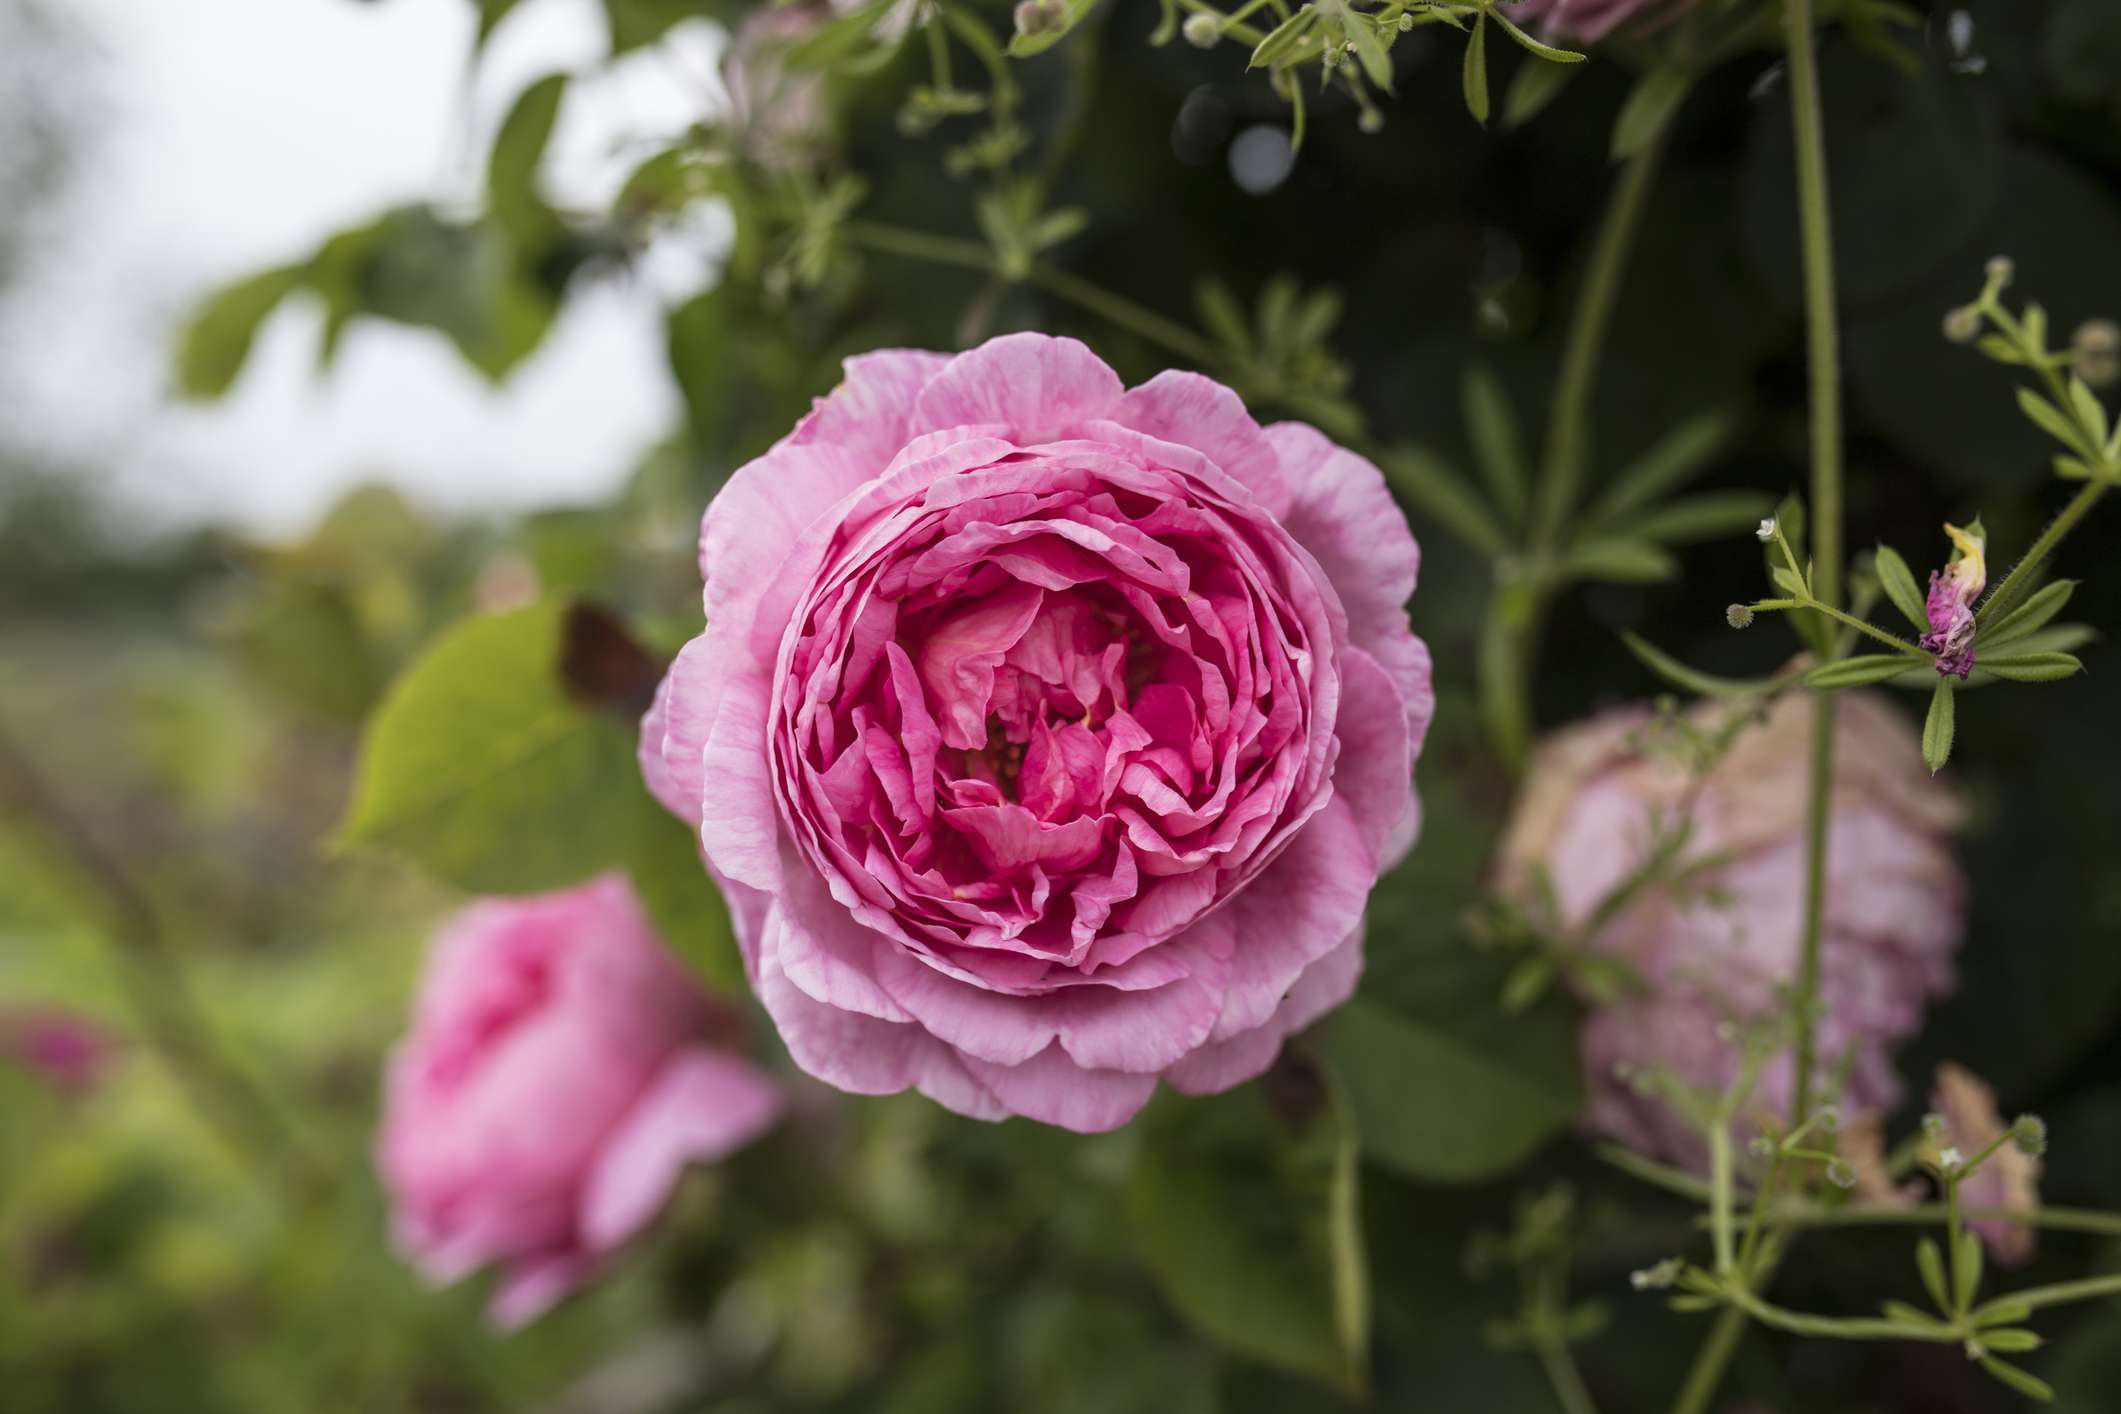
{"x": 1047, "y": 737}
{"x": 1714, "y": 949}
{"x": 561, "y": 1072}
{"x": 68, "y": 1052}
{"x": 1953, "y": 591}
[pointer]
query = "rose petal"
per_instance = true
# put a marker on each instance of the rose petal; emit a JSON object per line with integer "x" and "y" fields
{"x": 1035, "y": 385}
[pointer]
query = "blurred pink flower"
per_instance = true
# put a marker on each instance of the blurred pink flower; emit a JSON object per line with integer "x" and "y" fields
{"x": 1046, "y": 737}
{"x": 1592, "y": 20}
{"x": 560, "y": 1074}
{"x": 1718, "y": 949}
{"x": 2009, "y": 1179}
{"x": 70, "y": 1052}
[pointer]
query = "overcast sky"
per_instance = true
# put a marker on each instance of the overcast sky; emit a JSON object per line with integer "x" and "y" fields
{"x": 232, "y": 134}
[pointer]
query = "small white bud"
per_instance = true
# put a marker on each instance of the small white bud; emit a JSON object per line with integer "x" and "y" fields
{"x": 1841, "y": 1173}
{"x": 1202, "y": 31}
{"x": 1951, "y": 1160}
{"x": 1406, "y": 24}
{"x": 1739, "y": 616}
{"x": 1766, "y": 532}
{"x": 1963, "y": 325}
{"x": 1371, "y": 121}
{"x": 2001, "y": 271}
{"x": 2029, "y": 1133}
{"x": 1935, "y": 1127}
{"x": 2096, "y": 350}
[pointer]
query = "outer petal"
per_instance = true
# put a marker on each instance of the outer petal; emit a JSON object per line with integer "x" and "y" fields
{"x": 848, "y": 439}
{"x": 1345, "y": 517}
{"x": 865, "y": 1056}
{"x": 1375, "y": 772}
{"x": 1302, "y": 907}
{"x": 532, "y": 1287}
{"x": 1325, "y": 985}
{"x": 1199, "y": 412}
{"x": 703, "y": 1105}
{"x": 739, "y": 823}
{"x": 1035, "y": 385}
{"x": 1053, "y": 1089}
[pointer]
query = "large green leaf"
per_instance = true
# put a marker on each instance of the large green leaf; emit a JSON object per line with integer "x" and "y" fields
{"x": 1246, "y": 1207}
{"x": 482, "y": 768}
{"x": 512, "y": 167}
{"x": 216, "y": 340}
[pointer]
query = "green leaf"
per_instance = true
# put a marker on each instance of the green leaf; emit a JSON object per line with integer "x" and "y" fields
{"x": 1496, "y": 445}
{"x": 1282, "y": 40}
{"x": 2012, "y": 1342}
{"x": 1939, "y": 725}
{"x": 637, "y": 22}
{"x": 2030, "y": 616}
{"x": 2031, "y": 667}
{"x": 1554, "y": 57}
{"x": 1476, "y": 70}
{"x": 1898, "y": 582}
{"x": 1789, "y": 582}
{"x": 1245, "y": 1206}
{"x": 479, "y": 766}
{"x": 1621, "y": 560}
{"x": 1023, "y": 46}
{"x": 1708, "y": 516}
{"x": 1369, "y": 51}
{"x": 512, "y": 167}
{"x": 2091, "y": 413}
{"x": 1859, "y": 671}
{"x": 1532, "y": 89}
{"x": 1692, "y": 680}
{"x": 1436, "y": 489}
{"x": 682, "y": 901}
{"x": 216, "y": 340}
{"x": 1966, "y": 1274}
{"x": 2031, "y": 1386}
{"x": 1442, "y": 1086}
{"x": 2056, "y": 424}
{"x": 1681, "y": 456}
{"x": 1650, "y": 105}
{"x": 1929, "y": 1260}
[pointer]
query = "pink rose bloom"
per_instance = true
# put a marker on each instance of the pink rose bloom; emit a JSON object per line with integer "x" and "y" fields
{"x": 1046, "y": 737}
{"x": 1592, "y": 20}
{"x": 561, "y": 1072}
{"x": 1718, "y": 949}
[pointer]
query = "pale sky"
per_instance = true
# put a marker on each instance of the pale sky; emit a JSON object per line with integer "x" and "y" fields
{"x": 235, "y": 134}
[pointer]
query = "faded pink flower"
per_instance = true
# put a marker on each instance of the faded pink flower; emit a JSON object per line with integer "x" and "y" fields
{"x": 1950, "y": 606}
{"x": 2007, "y": 1179}
{"x": 560, "y": 1074}
{"x": 1592, "y": 20}
{"x": 70, "y": 1052}
{"x": 1718, "y": 947}
{"x": 1046, "y": 737}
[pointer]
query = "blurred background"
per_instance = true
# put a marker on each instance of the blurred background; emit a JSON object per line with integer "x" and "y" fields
{"x": 201, "y": 599}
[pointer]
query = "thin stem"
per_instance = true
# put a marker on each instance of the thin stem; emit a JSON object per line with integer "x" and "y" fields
{"x": 1567, "y": 449}
{"x": 1664, "y": 1176}
{"x": 1922, "y": 1214}
{"x": 971, "y": 255}
{"x": 1714, "y": 1358}
{"x": 1570, "y": 1392}
{"x": 1900, "y": 645}
{"x": 2062, "y": 1293}
{"x": 1720, "y": 1193}
{"x": 1824, "y": 356}
{"x": 2021, "y": 573}
{"x": 1837, "y": 1327}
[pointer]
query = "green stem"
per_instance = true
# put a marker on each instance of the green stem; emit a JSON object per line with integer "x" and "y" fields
{"x": 971, "y": 255}
{"x": 2062, "y": 1293}
{"x": 1567, "y": 449}
{"x": 1837, "y": 1327}
{"x": 1570, "y": 1392}
{"x": 1714, "y": 1358}
{"x": 1824, "y": 356}
{"x": 1922, "y": 1214}
{"x": 1125, "y": 314}
{"x": 1720, "y": 1184}
{"x": 2022, "y": 573}
{"x": 1899, "y": 645}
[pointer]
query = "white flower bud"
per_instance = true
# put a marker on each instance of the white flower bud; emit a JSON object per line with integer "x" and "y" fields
{"x": 1202, "y": 31}
{"x": 1766, "y": 532}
